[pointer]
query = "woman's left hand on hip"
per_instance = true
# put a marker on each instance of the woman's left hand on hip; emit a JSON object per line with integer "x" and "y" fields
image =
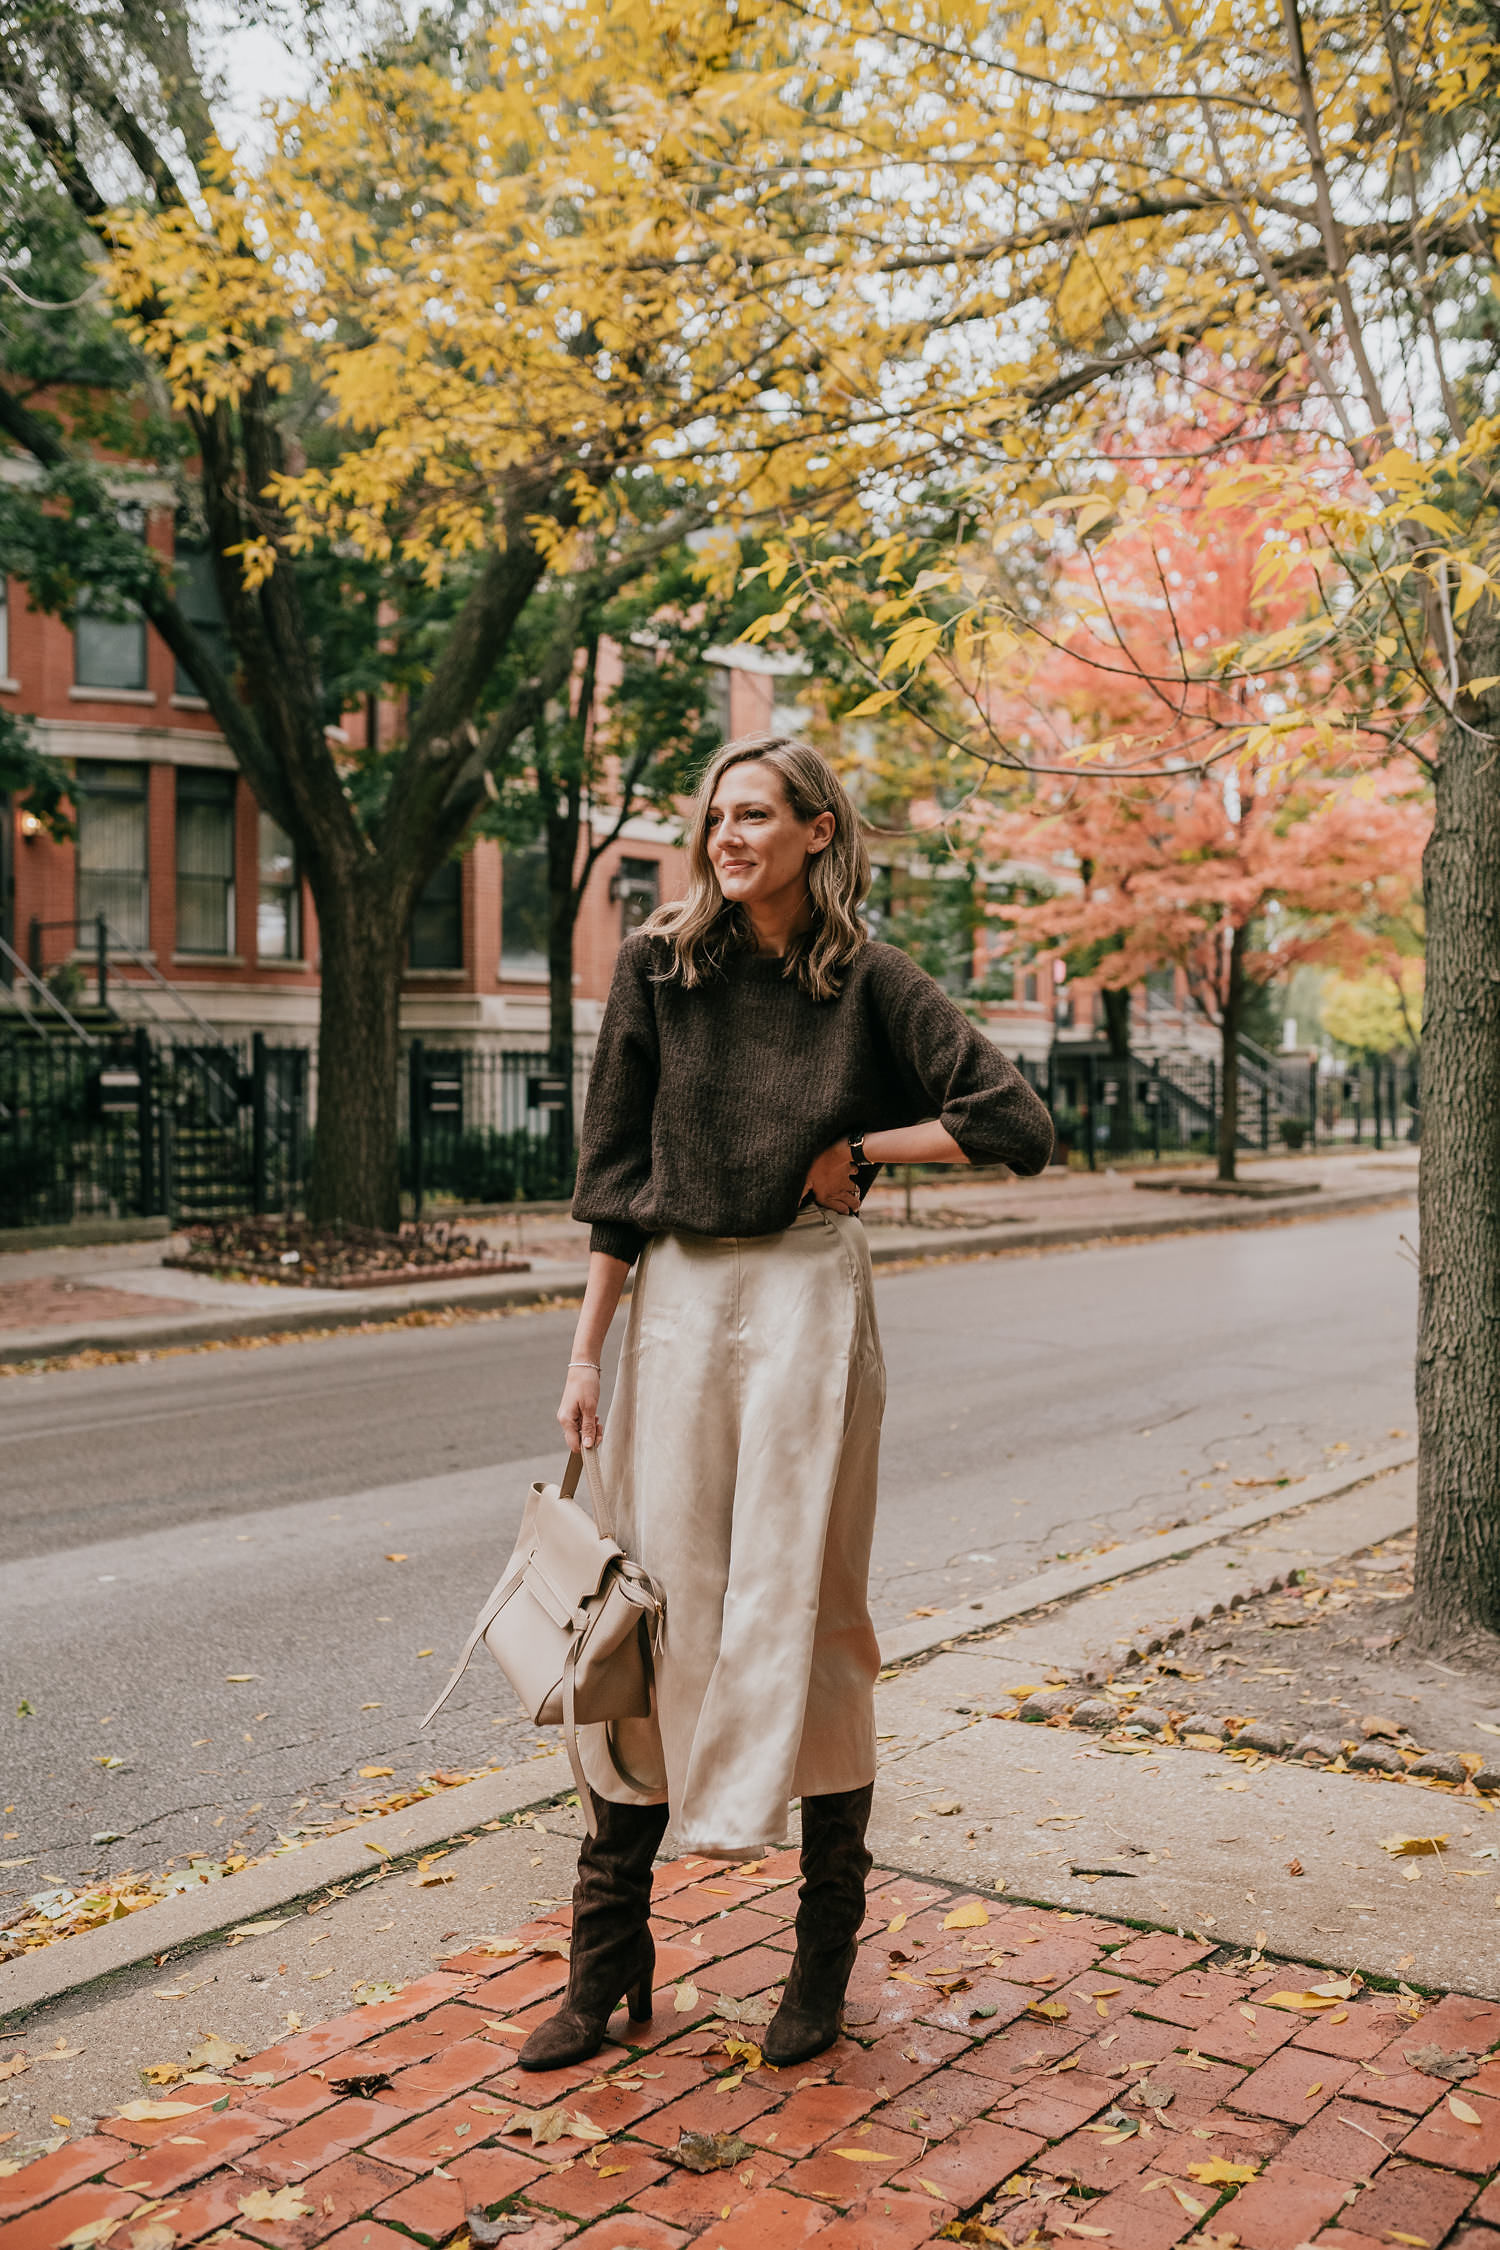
{"x": 830, "y": 1180}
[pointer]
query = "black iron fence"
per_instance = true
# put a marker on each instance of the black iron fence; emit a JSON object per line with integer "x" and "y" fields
{"x": 1110, "y": 1106}
{"x": 127, "y": 1125}
{"x": 487, "y": 1126}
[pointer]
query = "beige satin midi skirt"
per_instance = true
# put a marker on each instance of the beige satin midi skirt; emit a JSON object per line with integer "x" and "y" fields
{"x": 740, "y": 1454}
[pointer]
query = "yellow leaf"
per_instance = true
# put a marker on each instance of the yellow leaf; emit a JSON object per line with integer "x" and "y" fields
{"x": 1465, "y": 2114}
{"x": 1472, "y": 582}
{"x": 1312, "y": 2001}
{"x": 375, "y": 1773}
{"x": 1055, "y": 2011}
{"x": 1412, "y": 1847}
{"x": 974, "y": 1916}
{"x": 1189, "y": 2203}
{"x": 150, "y": 2113}
{"x": 873, "y": 703}
{"x": 862, "y": 2155}
{"x": 1219, "y": 2172}
{"x": 898, "y": 1922}
{"x": 931, "y": 2190}
{"x": 1315, "y": 2088}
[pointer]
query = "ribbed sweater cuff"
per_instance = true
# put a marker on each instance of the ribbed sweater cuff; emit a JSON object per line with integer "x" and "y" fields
{"x": 616, "y": 1238}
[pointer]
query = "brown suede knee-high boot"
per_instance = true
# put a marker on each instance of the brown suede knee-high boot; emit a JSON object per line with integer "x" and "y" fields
{"x": 831, "y": 1906}
{"x": 611, "y": 1955}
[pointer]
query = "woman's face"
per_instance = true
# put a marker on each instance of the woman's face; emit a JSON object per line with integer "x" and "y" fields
{"x": 758, "y": 847}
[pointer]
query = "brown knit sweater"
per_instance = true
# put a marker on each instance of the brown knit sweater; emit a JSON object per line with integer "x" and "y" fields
{"x": 706, "y": 1108}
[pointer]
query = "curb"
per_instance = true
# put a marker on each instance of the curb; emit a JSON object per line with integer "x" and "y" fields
{"x": 196, "y": 1918}
{"x": 567, "y": 1285}
{"x": 156, "y": 1335}
{"x": 977, "y": 1618}
{"x": 1065, "y": 1234}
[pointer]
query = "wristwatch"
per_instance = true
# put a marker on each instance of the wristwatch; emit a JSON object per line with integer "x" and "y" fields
{"x": 857, "y": 1154}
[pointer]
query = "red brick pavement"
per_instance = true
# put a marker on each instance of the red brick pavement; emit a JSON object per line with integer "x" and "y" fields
{"x": 1172, "y": 2104}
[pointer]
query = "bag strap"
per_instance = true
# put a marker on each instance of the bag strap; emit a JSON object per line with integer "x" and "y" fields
{"x": 588, "y": 1461}
{"x": 575, "y": 1760}
{"x": 487, "y": 1616}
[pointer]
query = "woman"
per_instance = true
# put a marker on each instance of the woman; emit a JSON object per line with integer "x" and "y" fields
{"x": 759, "y": 1057}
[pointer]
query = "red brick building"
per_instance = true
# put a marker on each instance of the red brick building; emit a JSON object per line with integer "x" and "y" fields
{"x": 200, "y": 885}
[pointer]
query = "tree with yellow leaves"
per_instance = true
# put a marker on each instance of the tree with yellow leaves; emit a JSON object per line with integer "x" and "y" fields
{"x": 427, "y": 352}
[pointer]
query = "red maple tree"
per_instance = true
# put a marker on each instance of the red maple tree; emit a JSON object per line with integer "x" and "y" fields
{"x": 1302, "y": 846}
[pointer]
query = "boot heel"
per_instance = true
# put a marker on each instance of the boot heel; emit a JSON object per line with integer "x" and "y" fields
{"x": 640, "y": 1998}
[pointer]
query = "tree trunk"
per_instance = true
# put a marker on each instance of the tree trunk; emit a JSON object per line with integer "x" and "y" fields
{"x": 563, "y": 901}
{"x": 355, "y": 1174}
{"x": 1116, "y": 1005}
{"x": 1229, "y": 1071}
{"x": 1458, "y": 1336}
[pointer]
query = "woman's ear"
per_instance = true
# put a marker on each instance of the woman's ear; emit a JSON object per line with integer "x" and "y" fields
{"x": 820, "y": 833}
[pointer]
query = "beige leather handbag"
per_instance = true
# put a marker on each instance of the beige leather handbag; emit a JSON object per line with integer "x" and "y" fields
{"x": 573, "y": 1622}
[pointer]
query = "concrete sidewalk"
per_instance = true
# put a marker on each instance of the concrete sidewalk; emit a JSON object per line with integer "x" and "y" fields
{"x": 120, "y": 1297}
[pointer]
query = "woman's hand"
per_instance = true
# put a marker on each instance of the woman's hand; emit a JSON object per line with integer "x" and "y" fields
{"x": 578, "y": 1415}
{"x": 830, "y": 1180}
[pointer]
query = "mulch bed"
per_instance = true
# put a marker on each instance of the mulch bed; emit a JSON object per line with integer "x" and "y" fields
{"x": 299, "y": 1256}
{"x": 1012, "y": 2075}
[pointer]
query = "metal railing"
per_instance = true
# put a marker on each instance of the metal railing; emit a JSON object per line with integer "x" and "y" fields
{"x": 1107, "y": 1105}
{"x": 44, "y": 992}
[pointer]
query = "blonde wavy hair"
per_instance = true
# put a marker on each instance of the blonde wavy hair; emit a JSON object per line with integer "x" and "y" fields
{"x": 704, "y": 928}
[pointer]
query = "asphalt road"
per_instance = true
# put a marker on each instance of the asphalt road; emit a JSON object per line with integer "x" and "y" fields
{"x": 200, "y": 1580}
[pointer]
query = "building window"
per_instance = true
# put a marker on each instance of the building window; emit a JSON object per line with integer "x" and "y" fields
{"x": 278, "y": 899}
{"x": 437, "y": 936}
{"x": 205, "y": 861}
{"x": 637, "y": 886}
{"x": 719, "y": 698}
{"x": 1029, "y": 990}
{"x": 109, "y": 638}
{"x": 198, "y": 599}
{"x": 112, "y": 863}
{"x": 523, "y": 913}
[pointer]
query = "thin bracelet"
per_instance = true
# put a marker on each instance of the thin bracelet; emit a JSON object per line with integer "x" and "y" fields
{"x": 593, "y": 1363}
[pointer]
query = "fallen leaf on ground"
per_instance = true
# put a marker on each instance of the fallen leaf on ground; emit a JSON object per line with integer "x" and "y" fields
{"x": 214, "y": 2053}
{"x": 1219, "y": 2172}
{"x": 757, "y": 2010}
{"x": 1412, "y": 1847}
{"x": 275, "y": 2203}
{"x": 710, "y": 2152}
{"x": 1437, "y": 2062}
{"x": 368, "y": 1995}
{"x": 375, "y": 1773}
{"x": 257, "y": 1929}
{"x": 974, "y": 1916}
{"x": 685, "y": 1997}
{"x": 150, "y": 2113}
{"x": 1464, "y": 2111}
{"x": 14, "y": 2067}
